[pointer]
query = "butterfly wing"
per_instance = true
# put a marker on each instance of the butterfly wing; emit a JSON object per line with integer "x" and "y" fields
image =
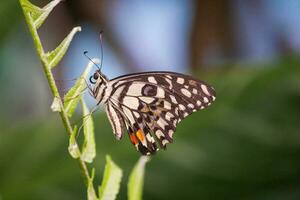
{"x": 116, "y": 120}
{"x": 151, "y": 105}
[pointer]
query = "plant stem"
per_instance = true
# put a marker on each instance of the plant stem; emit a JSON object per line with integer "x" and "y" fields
{"x": 54, "y": 90}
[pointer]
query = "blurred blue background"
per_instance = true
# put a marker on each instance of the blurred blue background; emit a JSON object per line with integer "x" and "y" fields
{"x": 245, "y": 146}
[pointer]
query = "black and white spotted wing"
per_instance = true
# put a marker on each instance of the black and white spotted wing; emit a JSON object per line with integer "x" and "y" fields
{"x": 149, "y": 105}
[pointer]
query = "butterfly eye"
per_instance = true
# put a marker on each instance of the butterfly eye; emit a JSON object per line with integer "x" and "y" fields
{"x": 95, "y": 76}
{"x": 91, "y": 80}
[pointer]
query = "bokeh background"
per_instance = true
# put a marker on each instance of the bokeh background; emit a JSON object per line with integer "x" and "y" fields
{"x": 245, "y": 146}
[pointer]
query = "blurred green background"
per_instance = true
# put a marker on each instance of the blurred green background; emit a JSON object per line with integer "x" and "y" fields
{"x": 245, "y": 146}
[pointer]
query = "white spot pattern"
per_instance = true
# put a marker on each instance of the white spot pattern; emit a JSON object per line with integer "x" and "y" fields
{"x": 195, "y": 91}
{"x": 174, "y": 123}
{"x": 186, "y": 92}
{"x": 191, "y": 105}
{"x": 150, "y": 138}
{"x": 135, "y": 89}
{"x": 181, "y": 107}
{"x": 176, "y": 111}
{"x": 164, "y": 142}
{"x": 147, "y": 99}
{"x": 198, "y": 103}
{"x": 180, "y": 80}
{"x": 171, "y": 133}
{"x": 151, "y": 79}
{"x": 136, "y": 114}
{"x": 205, "y": 99}
{"x": 169, "y": 115}
{"x": 205, "y": 90}
{"x": 131, "y": 102}
{"x": 128, "y": 114}
{"x": 169, "y": 77}
{"x": 170, "y": 83}
{"x": 160, "y": 93}
{"x": 162, "y": 123}
{"x": 167, "y": 105}
{"x": 159, "y": 134}
{"x": 173, "y": 99}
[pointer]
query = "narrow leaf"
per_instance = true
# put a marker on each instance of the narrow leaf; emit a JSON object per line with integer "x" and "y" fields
{"x": 37, "y": 14}
{"x": 111, "y": 181}
{"x": 56, "y": 55}
{"x": 91, "y": 194}
{"x": 72, "y": 97}
{"x": 136, "y": 179}
{"x": 89, "y": 146}
{"x": 33, "y": 11}
{"x": 73, "y": 147}
{"x": 46, "y": 11}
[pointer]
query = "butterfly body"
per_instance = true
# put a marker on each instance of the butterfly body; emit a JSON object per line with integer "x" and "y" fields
{"x": 149, "y": 105}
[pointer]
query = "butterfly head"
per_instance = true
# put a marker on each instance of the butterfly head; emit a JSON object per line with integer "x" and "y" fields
{"x": 99, "y": 82}
{"x": 98, "y": 78}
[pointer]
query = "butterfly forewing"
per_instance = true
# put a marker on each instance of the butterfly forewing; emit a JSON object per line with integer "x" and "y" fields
{"x": 151, "y": 105}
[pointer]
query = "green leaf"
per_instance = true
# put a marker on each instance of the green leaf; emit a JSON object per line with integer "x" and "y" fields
{"x": 111, "y": 181}
{"x": 38, "y": 15}
{"x": 33, "y": 11}
{"x": 89, "y": 146}
{"x": 91, "y": 194}
{"x": 72, "y": 97}
{"x": 136, "y": 179}
{"x": 56, "y": 55}
{"x": 46, "y": 11}
{"x": 73, "y": 147}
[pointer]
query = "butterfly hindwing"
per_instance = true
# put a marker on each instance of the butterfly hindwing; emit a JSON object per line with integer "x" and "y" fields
{"x": 116, "y": 120}
{"x": 152, "y": 104}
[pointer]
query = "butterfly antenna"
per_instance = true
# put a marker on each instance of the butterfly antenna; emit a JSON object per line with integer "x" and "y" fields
{"x": 85, "y": 54}
{"x": 101, "y": 46}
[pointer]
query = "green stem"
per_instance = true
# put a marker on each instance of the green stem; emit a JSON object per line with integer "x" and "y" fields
{"x": 54, "y": 90}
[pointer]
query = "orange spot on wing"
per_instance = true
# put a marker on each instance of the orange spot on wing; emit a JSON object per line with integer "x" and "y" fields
{"x": 133, "y": 139}
{"x": 140, "y": 135}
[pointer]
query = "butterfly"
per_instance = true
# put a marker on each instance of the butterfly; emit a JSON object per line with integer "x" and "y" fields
{"x": 149, "y": 105}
